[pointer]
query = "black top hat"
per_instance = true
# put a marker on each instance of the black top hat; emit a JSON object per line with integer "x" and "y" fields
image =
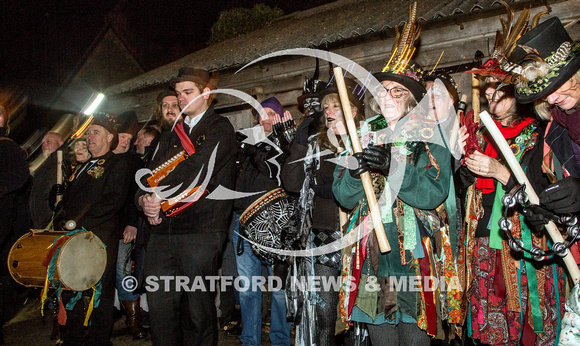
{"x": 561, "y": 59}
{"x": 127, "y": 123}
{"x": 356, "y": 93}
{"x": 193, "y": 75}
{"x": 409, "y": 79}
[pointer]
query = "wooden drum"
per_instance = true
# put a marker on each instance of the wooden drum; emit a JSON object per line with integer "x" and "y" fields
{"x": 80, "y": 264}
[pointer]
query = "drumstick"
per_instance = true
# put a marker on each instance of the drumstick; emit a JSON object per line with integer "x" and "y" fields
{"x": 523, "y": 179}
{"x": 58, "y": 172}
{"x": 365, "y": 177}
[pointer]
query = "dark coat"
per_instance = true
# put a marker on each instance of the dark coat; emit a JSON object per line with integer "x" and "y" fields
{"x": 325, "y": 211}
{"x": 95, "y": 202}
{"x": 206, "y": 215}
{"x": 14, "y": 174}
{"x": 43, "y": 180}
{"x": 257, "y": 172}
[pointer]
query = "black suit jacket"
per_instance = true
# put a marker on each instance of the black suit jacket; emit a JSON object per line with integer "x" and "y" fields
{"x": 206, "y": 215}
{"x": 95, "y": 200}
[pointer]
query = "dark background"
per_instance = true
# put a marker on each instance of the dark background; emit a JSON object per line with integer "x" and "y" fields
{"x": 41, "y": 42}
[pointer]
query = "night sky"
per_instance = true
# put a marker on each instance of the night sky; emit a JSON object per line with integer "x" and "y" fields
{"x": 41, "y": 42}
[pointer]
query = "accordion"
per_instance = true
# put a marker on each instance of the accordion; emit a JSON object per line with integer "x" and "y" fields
{"x": 175, "y": 205}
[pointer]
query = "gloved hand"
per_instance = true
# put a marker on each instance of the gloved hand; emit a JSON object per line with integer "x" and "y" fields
{"x": 378, "y": 157}
{"x": 302, "y": 131}
{"x": 361, "y": 167}
{"x": 534, "y": 217}
{"x": 55, "y": 190}
{"x": 322, "y": 188}
{"x": 562, "y": 197}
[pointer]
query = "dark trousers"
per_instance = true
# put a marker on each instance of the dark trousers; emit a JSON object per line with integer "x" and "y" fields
{"x": 101, "y": 324}
{"x": 186, "y": 256}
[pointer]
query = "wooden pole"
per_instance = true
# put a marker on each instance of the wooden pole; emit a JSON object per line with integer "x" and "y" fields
{"x": 365, "y": 177}
{"x": 475, "y": 97}
{"x": 58, "y": 172}
{"x": 475, "y": 106}
{"x": 523, "y": 179}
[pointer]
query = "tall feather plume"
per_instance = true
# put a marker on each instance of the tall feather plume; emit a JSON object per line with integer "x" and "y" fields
{"x": 519, "y": 28}
{"x": 539, "y": 15}
{"x": 403, "y": 46}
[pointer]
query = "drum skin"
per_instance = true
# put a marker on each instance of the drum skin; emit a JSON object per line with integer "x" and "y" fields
{"x": 80, "y": 264}
{"x": 268, "y": 222}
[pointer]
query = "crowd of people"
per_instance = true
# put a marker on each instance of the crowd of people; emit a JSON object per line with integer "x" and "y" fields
{"x": 260, "y": 203}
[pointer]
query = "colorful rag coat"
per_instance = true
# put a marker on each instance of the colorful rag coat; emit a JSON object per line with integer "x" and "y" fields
{"x": 511, "y": 299}
{"x": 417, "y": 281}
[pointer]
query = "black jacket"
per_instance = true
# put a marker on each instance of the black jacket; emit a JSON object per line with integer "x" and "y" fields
{"x": 206, "y": 215}
{"x": 257, "y": 171}
{"x": 95, "y": 200}
{"x": 325, "y": 211}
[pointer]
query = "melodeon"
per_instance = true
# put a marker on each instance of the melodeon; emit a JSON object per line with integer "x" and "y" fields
{"x": 172, "y": 206}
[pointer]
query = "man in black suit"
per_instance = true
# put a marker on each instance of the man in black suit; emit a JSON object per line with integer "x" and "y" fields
{"x": 94, "y": 198}
{"x": 189, "y": 245}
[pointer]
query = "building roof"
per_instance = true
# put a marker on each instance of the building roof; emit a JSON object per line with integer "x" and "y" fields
{"x": 318, "y": 27}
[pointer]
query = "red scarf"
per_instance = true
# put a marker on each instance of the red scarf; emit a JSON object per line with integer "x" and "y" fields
{"x": 487, "y": 185}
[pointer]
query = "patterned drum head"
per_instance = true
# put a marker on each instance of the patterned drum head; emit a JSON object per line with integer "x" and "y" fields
{"x": 268, "y": 222}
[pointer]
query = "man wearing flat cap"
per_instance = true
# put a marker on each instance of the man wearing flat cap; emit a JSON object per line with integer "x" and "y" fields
{"x": 188, "y": 246}
{"x": 94, "y": 197}
{"x": 550, "y": 78}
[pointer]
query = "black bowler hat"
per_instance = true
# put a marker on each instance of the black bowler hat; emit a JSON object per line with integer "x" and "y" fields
{"x": 556, "y": 61}
{"x": 127, "y": 123}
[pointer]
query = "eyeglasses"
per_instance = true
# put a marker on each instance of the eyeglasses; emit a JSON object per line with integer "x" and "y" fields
{"x": 396, "y": 92}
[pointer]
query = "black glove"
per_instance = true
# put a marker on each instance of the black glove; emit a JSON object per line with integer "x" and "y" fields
{"x": 322, "y": 188}
{"x": 378, "y": 157}
{"x": 562, "y": 197}
{"x": 55, "y": 190}
{"x": 302, "y": 132}
{"x": 361, "y": 167}
{"x": 278, "y": 129}
{"x": 534, "y": 217}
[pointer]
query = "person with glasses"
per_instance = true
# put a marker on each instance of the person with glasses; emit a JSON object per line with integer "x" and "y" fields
{"x": 404, "y": 164}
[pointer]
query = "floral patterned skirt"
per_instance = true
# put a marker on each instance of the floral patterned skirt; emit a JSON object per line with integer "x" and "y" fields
{"x": 492, "y": 317}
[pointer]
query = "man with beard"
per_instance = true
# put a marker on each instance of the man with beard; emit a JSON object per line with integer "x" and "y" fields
{"x": 167, "y": 109}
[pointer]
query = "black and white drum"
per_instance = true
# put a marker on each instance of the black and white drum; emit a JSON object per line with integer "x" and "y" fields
{"x": 270, "y": 221}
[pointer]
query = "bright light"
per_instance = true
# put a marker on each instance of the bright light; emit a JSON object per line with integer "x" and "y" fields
{"x": 95, "y": 104}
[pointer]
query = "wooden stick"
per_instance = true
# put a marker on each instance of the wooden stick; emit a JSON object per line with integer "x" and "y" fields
{"x": 365, "y": 177}
{"x": 58, "y": 172}
{"x": 475, "y": 105}
{"x": 523, "y": 179}
{"x": 475, "y": 97}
